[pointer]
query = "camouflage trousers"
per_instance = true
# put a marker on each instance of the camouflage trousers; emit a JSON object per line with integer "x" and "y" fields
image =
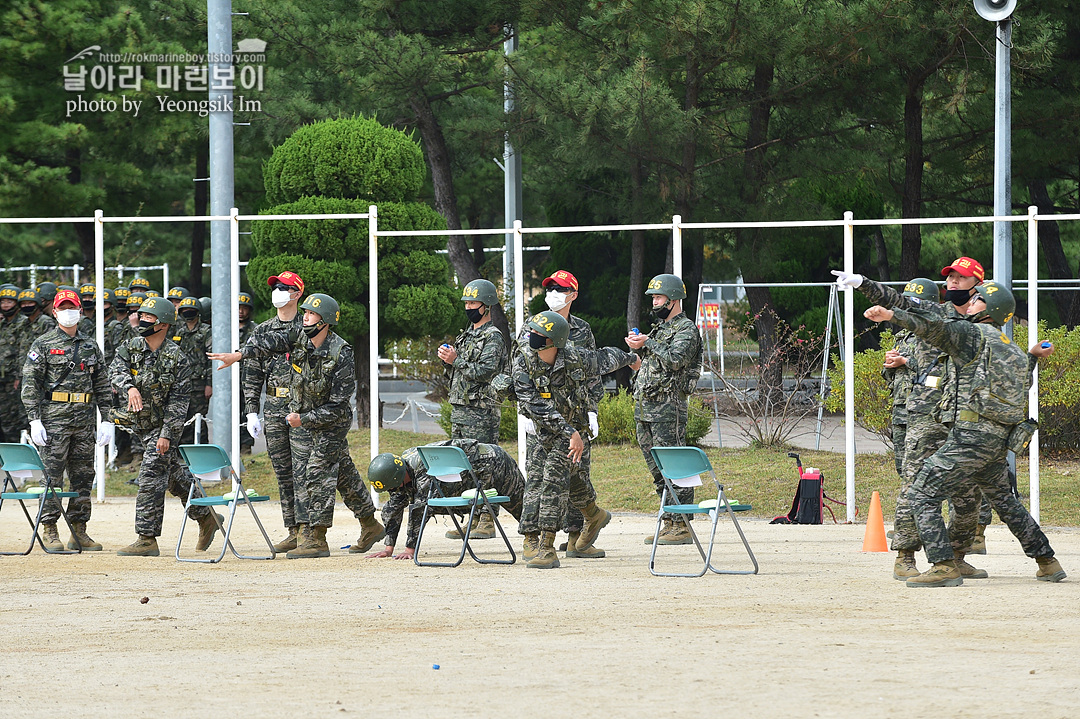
{"x": 479, "y": 423}
{"x": 279, "y": 447}
{"x": 158, "y": 473}
{"x": 664, "y": 434}
{"x": 925, "y": 436}
{"x": 572, "y": 519}
{"x": 199, "y": 404}
{"x": 12, "y": 412}
{"x": 551, "y": 483}
{"x": 321, "y": 466}
{"x": 899, "y": 437}
{"x": 970, "y": 457}
{"x": 71, "y": 448}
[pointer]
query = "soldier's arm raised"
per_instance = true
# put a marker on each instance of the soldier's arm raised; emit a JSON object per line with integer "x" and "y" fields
{"x": 958, "y": 338}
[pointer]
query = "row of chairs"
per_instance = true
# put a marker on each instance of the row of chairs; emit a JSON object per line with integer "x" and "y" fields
{"x": 680, "y": 466}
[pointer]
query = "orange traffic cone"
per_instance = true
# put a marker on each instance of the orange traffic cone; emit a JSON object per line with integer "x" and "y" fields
{"x": 874, "y": 539}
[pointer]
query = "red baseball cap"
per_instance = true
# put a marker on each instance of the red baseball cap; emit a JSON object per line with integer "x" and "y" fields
{"x": 66, "y": 296}
{"x": 287, "y": 278}
{"x": 966, "y": 267}
{"x": 562, "y": 278}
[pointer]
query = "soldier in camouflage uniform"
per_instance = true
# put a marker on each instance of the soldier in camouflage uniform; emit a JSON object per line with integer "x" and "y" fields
{"x": 477, "y": 356}
{"x": 195, "y": 340}
{"x": 88, "y": 295}
{"x": 155, "y": 376}
{"x": 64, "y": 383}
{"x": 667, "y": 374}
{"x": 407, "y": 481}
{"x": 320, "y": 414}
{"x": 37, "y": 321}
{"x": 274, "y": 374}
{"x": 987, "y": 394}
{"x": 117, "y": 332}
{"x": 12, "y": 414}
{"x": 247, "y": 328}
{"x": 47, "y": 293}
{"x": 120, "y": 295}
{"x": 139, "y": 284}
{"x": 553, "y": 383}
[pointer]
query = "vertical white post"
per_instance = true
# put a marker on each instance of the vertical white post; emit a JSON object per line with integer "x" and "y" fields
{"x": 1033, "y": 334}
{"x": 75, "y": 269}
{"x": 234, "y": 331}
{"x": 373, "y": 323}
{"x": 165, "y": 279}
{"x": 519, "y": 321}
{"x": 99, "y": 335}
{"x": 676, "y": 245}
{"x": 849, "y": 367}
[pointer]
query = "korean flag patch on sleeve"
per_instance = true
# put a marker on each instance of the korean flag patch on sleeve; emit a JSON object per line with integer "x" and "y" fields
{"x": 33, "y": 356}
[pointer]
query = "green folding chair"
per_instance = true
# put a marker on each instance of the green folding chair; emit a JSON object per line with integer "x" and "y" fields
{"x": 210, "y": 459}
{"x": 683, "y": 467}
{"x": 25, "y": 458}
{"x": 445, "y": 465}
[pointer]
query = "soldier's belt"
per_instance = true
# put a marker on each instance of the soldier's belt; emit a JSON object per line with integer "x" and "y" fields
{"x": 76, "y": 397}
{"x": 277, "y": 391}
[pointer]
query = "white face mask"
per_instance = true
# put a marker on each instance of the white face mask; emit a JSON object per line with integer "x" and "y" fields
{"x": 68, "y": 318}
{"x": 556, "y": 300}
{"x": 279, "y": 298}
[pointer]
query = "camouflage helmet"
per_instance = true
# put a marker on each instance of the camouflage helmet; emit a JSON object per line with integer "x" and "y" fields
{"x": 387, "y": 471}
{"x": 135, "y": 300}
{"x": 551, "y": 325}
{"x": 30, "y": 295}
{"x": 139, "y": 284}
{"x": 922, "y": 288}
{"x": 244, "y": 300}
{"x": 671, "y": 286}
{"x": 9, "y": 292}
{"x": 46, "y": 291}
{"x": 480, "y": 291}
{"x": 161, "y": 308}
{"x": 1000, "y": 303}
{"x": 179, "y": 293}
{"x": 324, "y": 306}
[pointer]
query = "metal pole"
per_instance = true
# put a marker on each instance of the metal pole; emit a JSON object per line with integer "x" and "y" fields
{"x": 1003, "y": 156}
{"x": 511, "y": 173}
{"x": 676, "y": 245}
{"x": 219, "y": 44}
{"x": 849, "y": 367}
{"x": 1034, "y": 486}
{"x": 99, "y": 334}
{"x": 165, "y": 278}
{"x": 825, "y": 363}
{"x": 234, "y": 335}
{"x": 373, "y": 323}
{"x": 519, "y": 320}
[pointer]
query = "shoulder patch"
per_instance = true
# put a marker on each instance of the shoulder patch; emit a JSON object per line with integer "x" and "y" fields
{"x": 915, "y": 300}
{"x": 33, "y": 356}
{"x": 1005, "y": 338}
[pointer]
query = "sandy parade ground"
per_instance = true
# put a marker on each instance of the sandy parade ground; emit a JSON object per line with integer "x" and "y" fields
{"x": 822, "y": 631}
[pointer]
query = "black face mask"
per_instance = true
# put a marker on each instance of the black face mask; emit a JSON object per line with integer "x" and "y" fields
{"x": 146, "y": 328}
{"x": 537, "y": 341}
{"x": 474, "y": 315}
{"x": 189, "y": 314}
{"x": 958, "y": 297}
{"x": 661, "y": 312}
{"x": 12, "y": 312}
{"x": 312, "y": 330}
{"x": 28, "y": 310}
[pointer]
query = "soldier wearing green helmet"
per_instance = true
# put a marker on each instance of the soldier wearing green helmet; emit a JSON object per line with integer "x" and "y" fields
{"x": 195, "y": 340}
{"x": 47, "y": 291}
{"x": 12, "y": 324}
{"x": 986, "y": 392}
{"x": 37, "y": 322}
{"x": 177, "y": 293}
{"x": 153, "y": 378}
{"x": 320, "y": 414}
{"x": 667, "y": 373}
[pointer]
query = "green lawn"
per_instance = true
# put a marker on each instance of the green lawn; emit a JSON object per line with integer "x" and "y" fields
{"x": 764, "y": 478}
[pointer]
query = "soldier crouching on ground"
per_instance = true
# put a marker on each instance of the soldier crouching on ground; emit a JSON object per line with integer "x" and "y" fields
{"x": 407, "y": 481}
{"x": 320, "y": 416}
{"x": 64, "y": 383}
{"x": 155, "y": 377}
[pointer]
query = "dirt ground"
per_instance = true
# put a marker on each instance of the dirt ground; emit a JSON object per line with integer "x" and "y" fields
{"x": 822, "y": 631}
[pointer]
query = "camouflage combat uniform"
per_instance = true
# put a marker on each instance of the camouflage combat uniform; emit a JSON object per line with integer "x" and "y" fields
{"x": 321, "y": 386}
{"x": 474, "y": 407}
{"x": 64, "y": 382}
{"x": 163, "y": 378}
{"x": 670, "y": 366}
{"x": 493, "y": 466}
{"x": 274, "y": 372}
{"x": 899, "y": 380}
{"x": 195, "y": 342}
{"x": 987, "y": 397}
{"x": 12, "y": 413}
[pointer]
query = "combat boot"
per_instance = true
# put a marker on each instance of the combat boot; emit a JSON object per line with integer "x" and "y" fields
{"x": 370, "y": 532}
{"x": 967, "y": 571}
{"x": 665, "y": 527}
{"x": 458, "y": 534}
{"x": 545, "y": 558}
{"x": 79, "y": 538}
{"x": 144, "y": 546}
{"x": 978, "y": 543}
{"x": 589, "y": 552}
{"x": 530, "y": 545}
{"x": 207, "y": 529}
{"x": 51, "y": 538}
{"x": 904, "y": 567}
{"x": 942, "y": 574}
{"x": 288, "y": 543}
{"x": 312, "y": 543}
{"x": 570, "y": 543}
{"x": 679, "y": 534}
{"x": 1049, "y": 570}
{"x": 595, "y": 520}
